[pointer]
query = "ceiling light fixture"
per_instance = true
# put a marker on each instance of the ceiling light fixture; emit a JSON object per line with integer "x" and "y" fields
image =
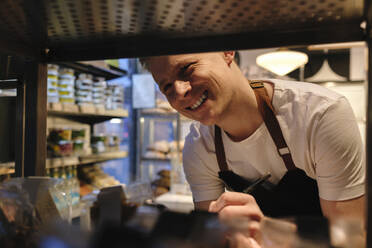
{"x": 282, "y": 62}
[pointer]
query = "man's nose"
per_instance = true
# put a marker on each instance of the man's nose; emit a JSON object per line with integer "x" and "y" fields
{"x": 182, "y": 88}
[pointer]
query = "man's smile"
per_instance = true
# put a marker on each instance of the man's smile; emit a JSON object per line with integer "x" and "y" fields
{"x": 199, "y": 102}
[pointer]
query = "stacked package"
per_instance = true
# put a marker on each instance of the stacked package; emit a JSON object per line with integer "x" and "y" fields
{"x": 114, "y": 97}
{"x": 84, "y": 86}
{"x": 99, "y": 87}
{"x": 53, "y": 83}
{"x": 84, "y": 91}
{"x": 66, "y": 82}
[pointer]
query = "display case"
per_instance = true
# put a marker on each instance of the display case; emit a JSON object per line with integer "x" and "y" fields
{"x": 159, "y": 142}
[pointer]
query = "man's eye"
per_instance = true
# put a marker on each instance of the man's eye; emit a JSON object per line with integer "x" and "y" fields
{"x": 184, "y": 68}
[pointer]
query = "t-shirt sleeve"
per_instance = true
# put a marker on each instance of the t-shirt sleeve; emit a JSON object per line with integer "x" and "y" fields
{"x": 339, "y": 154}
{"x": 199, "y": 165}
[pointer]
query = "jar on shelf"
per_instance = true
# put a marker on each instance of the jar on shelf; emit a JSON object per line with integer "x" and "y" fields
{"x": 83, "y": 86}
{"x": 98, "y": 143}
{"x": 52, "y": 83}
{"x": 114, "y": 97}
{"x": 66, "y": 90}
{"x": 99, "y": 86}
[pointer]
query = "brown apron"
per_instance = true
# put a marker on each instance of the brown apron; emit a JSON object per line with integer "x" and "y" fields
{"x": 296, "y": 194}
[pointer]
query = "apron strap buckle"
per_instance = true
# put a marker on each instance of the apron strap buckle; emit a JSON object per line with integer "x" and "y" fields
{"x": 283, "y": 151}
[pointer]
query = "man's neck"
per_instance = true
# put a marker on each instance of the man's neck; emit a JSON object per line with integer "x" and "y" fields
{"x": 243, "y": 118}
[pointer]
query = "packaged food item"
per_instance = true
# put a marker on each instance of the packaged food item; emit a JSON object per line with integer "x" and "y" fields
{"x": 113, "y": 141}
{"x": 60, "y": 149}
{"x": 83, "y": 99}
{"x": 78, "y": 134}
{"x": 66, "y": 73}
{"x": 66, "y": 94}
{"x": 66, "y": 100}
{"x": 82, "y": 93}
{"x": 99, "y": 82}
{"x": 56, "y": 135}
{"x": 83, "y": 89}
{"x": 78, "y": 146}
{"x": 98, "y": 143}
{"x": 52, "y": 92}
{"x": 52, "y": 83}
{"x": 114, "y": 97}
{"x": 53, "y": 70}
{"x": 66, "y": 81}
{"x": 98, "y": 91}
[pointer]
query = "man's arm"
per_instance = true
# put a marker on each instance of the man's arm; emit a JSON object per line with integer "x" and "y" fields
{"x": 354, "y": 209}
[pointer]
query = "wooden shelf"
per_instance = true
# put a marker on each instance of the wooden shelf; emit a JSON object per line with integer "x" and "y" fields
{"x": 73, "y": 109}
{"x": 85, "y": 114}
{"x": 95, "y": 158}
{"x": 85, "y": 159}
{"x": 63, "y": 161}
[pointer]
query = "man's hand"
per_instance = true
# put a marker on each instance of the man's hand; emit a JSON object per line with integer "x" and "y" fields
{"x": 232, "y": 204}
{"x": 234, "y": 208}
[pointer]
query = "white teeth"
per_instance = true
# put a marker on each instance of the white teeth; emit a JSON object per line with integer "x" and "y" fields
{"x": 198, "y": 102}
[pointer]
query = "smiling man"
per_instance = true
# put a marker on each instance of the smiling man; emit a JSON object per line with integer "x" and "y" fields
{"x": 302, "y": 137}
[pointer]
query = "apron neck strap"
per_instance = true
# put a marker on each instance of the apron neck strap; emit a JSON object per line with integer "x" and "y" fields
{"x": 220, "y": 151}
{"x": 267, "y": 112}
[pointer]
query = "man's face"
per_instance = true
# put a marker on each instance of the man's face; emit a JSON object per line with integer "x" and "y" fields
{"x": 196, "y": 85}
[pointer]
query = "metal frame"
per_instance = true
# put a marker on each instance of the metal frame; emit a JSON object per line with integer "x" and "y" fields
{"x": 141, "y": 47}
{"x": 35, "y": 78}
{"x": 20, "y": 122}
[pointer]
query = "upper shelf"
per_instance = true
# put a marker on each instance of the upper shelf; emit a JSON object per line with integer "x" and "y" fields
{"x": 107, "y": 73}
{"x": 65, "y": 30}
{"x": 84, "y": 114}
{"x": 85, "y": 159}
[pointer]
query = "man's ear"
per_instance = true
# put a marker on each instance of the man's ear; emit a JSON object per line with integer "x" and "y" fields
{"x": 229, "y": 56}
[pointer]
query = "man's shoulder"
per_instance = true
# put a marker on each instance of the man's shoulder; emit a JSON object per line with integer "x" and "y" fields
{"x": 304, "y": 89}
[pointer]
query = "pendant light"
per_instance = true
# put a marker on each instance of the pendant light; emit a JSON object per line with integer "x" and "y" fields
{"x": 282, "y": 62}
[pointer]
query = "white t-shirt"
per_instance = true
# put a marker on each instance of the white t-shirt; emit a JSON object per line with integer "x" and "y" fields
{"x": 320, "y": 130}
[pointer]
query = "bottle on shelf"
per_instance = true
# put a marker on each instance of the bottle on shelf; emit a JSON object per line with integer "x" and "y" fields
{"x": 75, "y": 185}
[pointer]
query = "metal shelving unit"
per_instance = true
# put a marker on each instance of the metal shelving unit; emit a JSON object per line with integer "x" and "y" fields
{"x": 147, "y": 121}
{"x": 89, "y": 115}
{"x": 65, "y": 30}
